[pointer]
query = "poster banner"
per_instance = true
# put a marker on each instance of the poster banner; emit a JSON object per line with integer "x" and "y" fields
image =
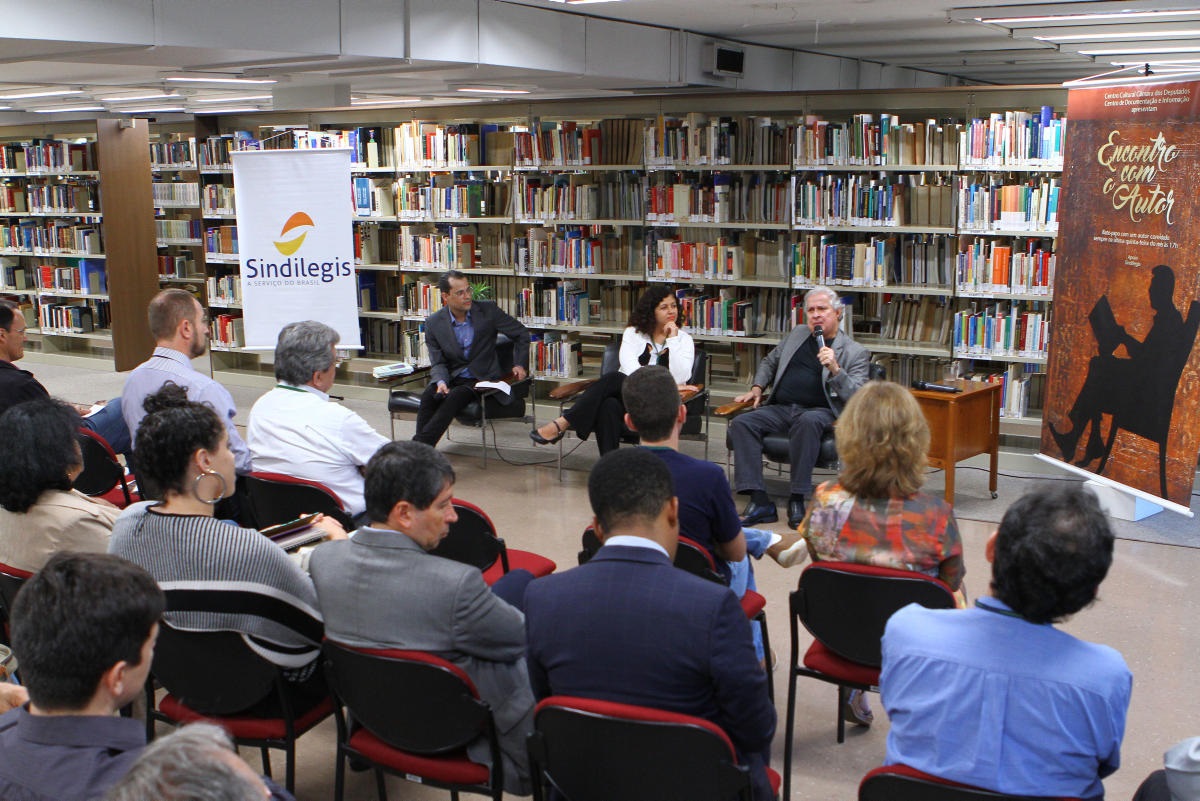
{"x": 295, "y": 242}
{"x": 1123, "y": 379}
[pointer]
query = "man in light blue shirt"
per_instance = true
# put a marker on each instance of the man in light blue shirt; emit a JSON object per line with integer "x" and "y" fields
{"x": 995, "y": 696}
{"x": 180, "y": 328}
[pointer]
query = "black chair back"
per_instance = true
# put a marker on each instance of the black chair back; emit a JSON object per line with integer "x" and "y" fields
{"x": 846, "y": 606}
{"x": 901, "y": 783}
{"x": 600, "y": 751}
{"x": 214, "y": 673}
{"x": 101, "y": 470}
{"x": 276, "y": 498}
{"x": 692, "y": 557}
{"x": 472, "y": 538}
{"x": 11, "y": 581}
{"x": 411, "y": 700}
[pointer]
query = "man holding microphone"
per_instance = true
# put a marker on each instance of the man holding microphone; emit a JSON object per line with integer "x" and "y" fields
{"x": 811, "y": 375}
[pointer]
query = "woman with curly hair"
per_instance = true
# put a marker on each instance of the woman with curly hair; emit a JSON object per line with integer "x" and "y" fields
{"x": 875, "y": 513}
{"x": 217, "y": 576}
{"x": 654, "y": 336}
{"x": 41, "y": 513}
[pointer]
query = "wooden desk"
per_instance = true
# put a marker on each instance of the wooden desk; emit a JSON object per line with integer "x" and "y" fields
{"x": 962, "y": 425}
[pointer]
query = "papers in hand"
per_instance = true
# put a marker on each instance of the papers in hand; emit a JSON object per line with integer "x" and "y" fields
{"x": 499, "y": 386}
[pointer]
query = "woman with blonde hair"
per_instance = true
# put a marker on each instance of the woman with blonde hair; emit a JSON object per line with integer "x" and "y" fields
{"x": 875, "y": 512}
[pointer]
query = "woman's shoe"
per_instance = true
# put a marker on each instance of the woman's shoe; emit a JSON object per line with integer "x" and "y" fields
{"x": 538, "y": 439}
{"x": 856, "y": 711}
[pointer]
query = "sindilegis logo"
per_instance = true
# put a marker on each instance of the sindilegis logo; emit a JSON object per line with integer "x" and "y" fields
{"x": 291, "y": 236}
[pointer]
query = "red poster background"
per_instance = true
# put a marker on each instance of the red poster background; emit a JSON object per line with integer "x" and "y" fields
{"x": 1130, "y": 203}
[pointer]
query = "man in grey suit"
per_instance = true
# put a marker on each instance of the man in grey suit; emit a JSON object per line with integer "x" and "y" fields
{"x": 382, "y": 589}
{"x": 811, "y": 376}
{"x": 461, "y": 338}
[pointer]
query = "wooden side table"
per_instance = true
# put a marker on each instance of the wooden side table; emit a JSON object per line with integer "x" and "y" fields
{"x": 962, "y": 425}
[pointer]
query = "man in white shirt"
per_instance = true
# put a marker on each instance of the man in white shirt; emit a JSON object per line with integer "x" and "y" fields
{"x": 295, "y": 430}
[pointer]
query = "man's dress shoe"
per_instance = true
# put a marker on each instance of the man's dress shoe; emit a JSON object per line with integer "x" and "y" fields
{"x": 795, "y": 513}
{"x": 759, "y": 513}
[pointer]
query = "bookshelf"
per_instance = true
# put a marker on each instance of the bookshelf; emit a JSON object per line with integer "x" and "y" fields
{"x": 58, "y": 240}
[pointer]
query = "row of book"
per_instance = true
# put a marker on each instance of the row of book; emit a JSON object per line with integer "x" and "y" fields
{"x": 995, "y": 205}
{"x": 176, "y": 193}
{"x": 1002, "y": 265}
{"x": 228, "y": 331}
{"x": 85, "y": 277}
{"x": 420, "y": 298}
{"x": 878, "y": 261}
{"x": 221, "y": 239}
{"x": 57, "y": 198}
{"x": 51, "y": 236}
{"x": 219, "y": 199}
{"x": 924, "y": 319}
{"x": 1014, "y": 139}
{"x": 224, "y": 290}
{"x": 578, "y": 196}
{"x": 395, "y": 341}
{"x": 837, "y": 199}
{"x": 214, "y": 151}
{"x": 375, "y": 244}
{"x": 373, "y": 197}
{"x": 179, "y": 229}
{"x": 865, "y": 141}
{"x": 77, "y": 317}
{"x": 555, "y": 354}
{"x": 739, "y": 312}
{"x": 719, "y": 197}
{"x": 47, "y": 156}
{"x": 175, "y": 151}
{"x": 717, "y": 255}
{"x": 578, "y": 249}
{"x": 564, "y": 143}
{"x": 452, "y": 247}
{"x": 446, "y": 197}
{"x": 699, "y": 140}
{"x": 378, "y": 291}
{"x": 176, "y": 266}
{"x": 1002, "y": 330}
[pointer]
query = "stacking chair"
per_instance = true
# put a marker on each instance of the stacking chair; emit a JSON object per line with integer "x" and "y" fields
{"x": 902, "y": 783}
{"x": 11, "y": 580}
{"x": 592, "y": 750}
{"x": 103, "y": 474}
{"x": 694, "y": 558}
{"x": 696, "y": 401}
{"x": 215, "y": 676}
{"x": 276, "y": 498}
{"x": 473, "y": 540}
{"x": 485, "y": 409}
{"x": 411, "y": 714}
{"x": 845, "y": 607}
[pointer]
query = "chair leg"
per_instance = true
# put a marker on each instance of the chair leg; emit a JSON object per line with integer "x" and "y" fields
{"x": 339, "y": 775}
{"x": 289, "y": 767}
{"x": 761, "y": 617}
{"x": 266, "y": 760}
{"x": 841, "y": 723}
{"x": 789, "y": 733}
{"x": 381, "y": 784}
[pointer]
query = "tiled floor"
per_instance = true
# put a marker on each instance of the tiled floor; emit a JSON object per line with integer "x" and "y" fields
{"x": 1145, "y": 611}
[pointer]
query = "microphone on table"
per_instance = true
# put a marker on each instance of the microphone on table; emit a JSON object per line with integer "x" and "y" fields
{"x": 935, "y": 387}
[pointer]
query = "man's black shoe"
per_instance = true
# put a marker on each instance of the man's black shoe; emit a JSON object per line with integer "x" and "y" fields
{"x": 759, "y": 513}
{"x": 795, "y": 512}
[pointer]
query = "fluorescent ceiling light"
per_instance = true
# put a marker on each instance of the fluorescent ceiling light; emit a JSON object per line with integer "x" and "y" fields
{"x": 1117, "y": 36}
{"x": 491, "y": 90}
{"x": 161, "y": 109}
{"x": 1157, "y": 64}
{"x": 231, "y": 110}
{"x": 49, "y": 93}
{"x": 356, "y": 101}
{"x": 238, "y": 99}
{"x": 202, "y": 78}
{"x": 134, "y": 98}
{"x": 1133, "y": 51}
{"x": 1122, "y": 15}
{"x": 583, "y": 2}
{"x": 66, "y": 108}
{"x": 5, "y": 108}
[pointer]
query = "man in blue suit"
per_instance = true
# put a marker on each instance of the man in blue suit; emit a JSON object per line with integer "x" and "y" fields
{"x": 630, "y": 627}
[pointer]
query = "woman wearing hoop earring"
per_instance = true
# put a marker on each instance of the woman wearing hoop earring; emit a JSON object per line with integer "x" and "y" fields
{"x": 253, "y": 586}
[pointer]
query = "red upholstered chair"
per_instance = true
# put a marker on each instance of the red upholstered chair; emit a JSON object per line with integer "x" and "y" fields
{"x": 276, "y": 498}
{"x": 411, "y": 714}
{"x": 11, "y": 579}
{"x": 215, "y": 676}
{"x": 473, "y": 541}
{"x": 846, "y": 607}
{"x": 103, "y": 474}
{"x": 593, "y": 750}
{"x": 902, "y": 783}
{"x": 695, "y": 558}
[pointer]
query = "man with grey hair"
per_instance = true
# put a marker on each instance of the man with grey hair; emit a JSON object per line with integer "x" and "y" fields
{"x": 295, "y": 430}
{"x": 194, "y": 763}
{"x": 811, "y": 375}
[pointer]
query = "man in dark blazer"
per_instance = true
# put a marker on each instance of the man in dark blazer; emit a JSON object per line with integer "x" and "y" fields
{"x": 461, "y": 338}
{"x": 810, "y": 378}
{"x": 382, "y": 589}
{"x": 630, "y": 627}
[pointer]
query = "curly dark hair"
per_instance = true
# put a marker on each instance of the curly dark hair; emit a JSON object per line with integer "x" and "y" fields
{"x": 1053, "y": 549}
{"x": 173, "y": 429}
{"x": 40, "y": 446}
{"x": 641, "y": 319}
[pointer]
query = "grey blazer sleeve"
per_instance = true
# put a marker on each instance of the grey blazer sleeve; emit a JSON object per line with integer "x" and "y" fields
{"x": 515, "y": 330}
{"x": 855, "y": 361}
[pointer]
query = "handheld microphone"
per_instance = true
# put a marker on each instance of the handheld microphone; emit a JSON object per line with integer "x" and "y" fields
{"x": 820, "y": 335}
{"x": 935, "y": 387}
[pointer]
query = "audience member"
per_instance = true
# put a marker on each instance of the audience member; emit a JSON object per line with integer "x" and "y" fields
{"x": 811, "y": 375}
{"x": 220, "y": 577}
{"x": 706, "y": 511}
{"x": 874, "y": 513}
{"x": 630, "y": 627}
{"x": 1179, "y": 780}
{"x": 179, "y": 325}
{"x": 17, "y": 385}
{"x": 41, "y": 513}
{"x": 653, "y": 336}
{"x": 193, "y": 763}
{"x": 997, "y": 697}
{"x": 84, "y": 628}
{"x": 382, "y": 589}
{"x": 295, "y": 430}
{"x": 461, "y": 338}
